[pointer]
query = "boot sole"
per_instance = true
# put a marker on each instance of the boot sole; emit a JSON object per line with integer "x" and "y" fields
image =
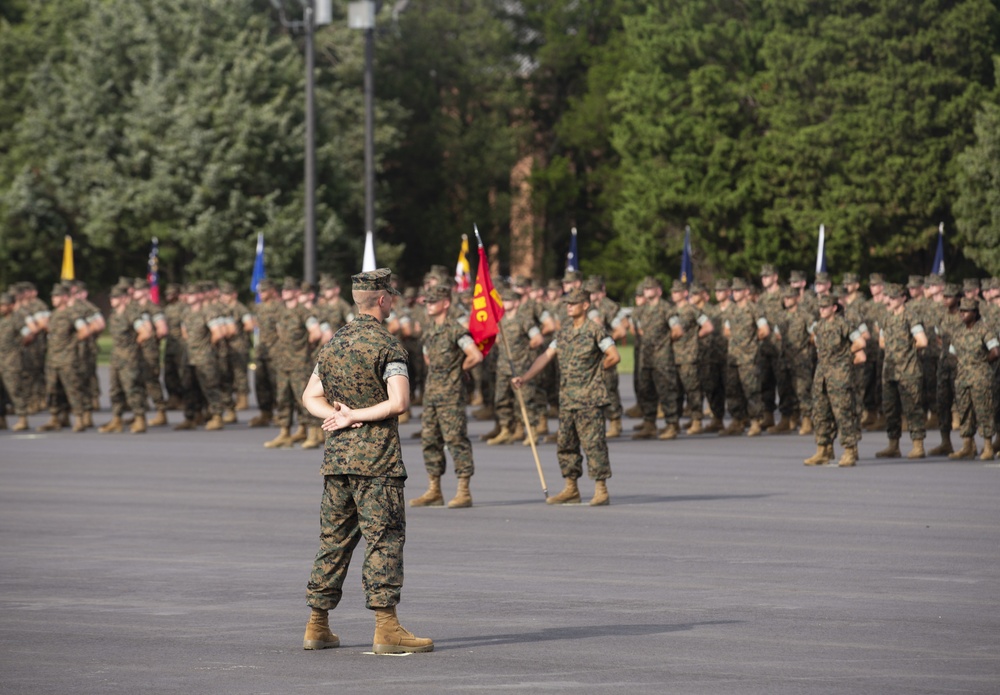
{"x": 439, "y": 503}
{"x": 552, "y": 501}
{"x": 399, "y": 649}
{"x": 319, "y": 644}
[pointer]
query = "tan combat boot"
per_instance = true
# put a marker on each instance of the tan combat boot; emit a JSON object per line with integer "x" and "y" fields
{"x": 669, "y": 432}
{"x": 54, "y": 424}
{"x": 756, "y": 428}
{"x": 634, "y": 411}
{"x": 300, "y": 434}
{"x": 462, "y": 497}
{"x": 318, "y": 635}
{"x": 229, "y": 416}
{"x": 160, "y": 420}
{"x": 431, "y": 498}
{"x": 542, "y": 426}
{"x": 138, "y": 425}
{"x": 78, "y": 425}
{"x": 614, "y": 429}
{"x": 967, "y": 452}
{"x": 782, "y": 426}
{"x": 714, "y": 426}
{"x": 282, "y": 440}
{"x": 316, "y": 438}
{"x": 917, "y": 452}
{"x": 503, "y": 437}
{"x": 944, "y": 448}
{"x": 600, "y": 498}
{"x": 695, "y": 427}
{"x": 807, "y": 426}
{"x": 569, "y": 495}
{"x": 492, "y": 433}
{"x": 393, "y": 638}
{"x": 735, "y": 428}
{"x": 890, "y": 452}
{"x": 88, "y": 419}
{"x": 21, "y": 425}
{"x": 987, "y": 454}
{"x": 646, "y": 431}
{"x": 186, "y": 425}
{"x": 868, "y": 419}
{"x": 849, "y": 457}
{"x": 768, "y": 420}
{"x": 242, "y": 402}
{"x": 823, "y": 455}
{"x": 214, "y": 423}
{"x": 262, "y": 420}
{"x": 115, "y": 425}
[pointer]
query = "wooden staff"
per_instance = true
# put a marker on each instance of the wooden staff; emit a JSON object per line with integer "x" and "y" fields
{"x": 524, "y": 413}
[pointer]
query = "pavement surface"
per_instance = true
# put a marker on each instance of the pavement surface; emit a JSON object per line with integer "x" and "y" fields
{"x": 176, "y": 563}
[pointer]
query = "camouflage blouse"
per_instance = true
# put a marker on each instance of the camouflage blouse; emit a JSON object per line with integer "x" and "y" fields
{"x": 833, "y": 348}
{"x": 354, "y": 368}
{"x": 444, "y": 347}
{"x": 581, "y": 375}
{"x": 971, "y": 346}
{"x": 901, "y": 360}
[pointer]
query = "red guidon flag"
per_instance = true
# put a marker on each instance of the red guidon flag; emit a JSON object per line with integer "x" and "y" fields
{"x": 487, "y": 308}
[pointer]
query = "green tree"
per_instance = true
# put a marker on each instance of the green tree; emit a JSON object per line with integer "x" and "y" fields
{"x": 977, "y": 208}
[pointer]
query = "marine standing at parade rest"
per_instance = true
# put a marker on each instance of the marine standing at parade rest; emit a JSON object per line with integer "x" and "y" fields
{"x": 694, "y": 327}
{"x": 797, "y": 356}
{"x": 745, "y": 327}
{"x": 358, "y": 388}
{"x": 517, "y": 353}
{"x": 11, "y": 366}
{"x": 264, "y": 374}
{"x": 449, "y": 353}
{"x": 839, "y": 347}
{"x": 901, "y": 337}
{"x": 949, "y": 323}
{"x": 64, "y": 383}
{"x": 585, "y": 352}
{"x": 128, "y": 388}
{"x": 976, "y": 349}
{"x": 607, "y": 313}
{"x": 659, "y": 326}
{"x": 201, "y": 331}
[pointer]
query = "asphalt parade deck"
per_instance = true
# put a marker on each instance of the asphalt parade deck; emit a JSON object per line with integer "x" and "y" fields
{"x": 176, "y": 563}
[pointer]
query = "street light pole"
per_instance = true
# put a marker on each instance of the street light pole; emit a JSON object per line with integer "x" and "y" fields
{"x": 309, "y": 259}
{"x": 370, "y": 132}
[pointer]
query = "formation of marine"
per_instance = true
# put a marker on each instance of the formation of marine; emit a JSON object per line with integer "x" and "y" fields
{"x": 767, "y": 358}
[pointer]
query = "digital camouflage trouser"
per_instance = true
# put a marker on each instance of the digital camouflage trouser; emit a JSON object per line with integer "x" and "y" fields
{"x": 582, "y": 429}
{"x": 446, "y": 426}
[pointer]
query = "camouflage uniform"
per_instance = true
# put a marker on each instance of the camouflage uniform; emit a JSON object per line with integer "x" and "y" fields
{"x": 127, "y": 382}
{"x": 265, "y": 372}
{"x": 519, "y": 329}
{"x": 293, "y": 355}
{"x": 659, "y": 382}
{"x": 203, "y": 380}
{"x": 150, "y": 355}
{"x": 63, "y": 380}
{"x": 798, "y": 357}
{"x": 974, "y": 378}
{"x": 363, "y": 471}
{"x": 582, "y": 398}
{"x": 712, "y": 360}
{"x": 11, "y": 361}
{"x": 742, "y": 379}
{"x": 833, "y": 390}
{"x": 239, "y": 349}
{"x": 774, "y": 379}
{"x": 444, "y": 422}
{"x": 685, "y": 351}
{"x": 901, "y": 376}
{"x": 855, "y": 313}
{"x": 173, "y": 354}
{"x": 607, "y": 313}
{"x": 34, "y": 353}
{"x": 948, "y": 325}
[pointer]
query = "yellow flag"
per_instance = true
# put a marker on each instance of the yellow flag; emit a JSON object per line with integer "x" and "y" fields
{"x": 67, "y": 268}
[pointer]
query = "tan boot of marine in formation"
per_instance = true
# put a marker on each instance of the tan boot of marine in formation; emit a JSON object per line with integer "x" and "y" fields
{"x": 756, "y": 428}
{"x": 431, "y": 498}
{"x": 890, "y": 452}
{"x": 917, "y": 452}
{"x": 600, "y": 498}
{"x": 299, "y": 435}
{"x": 114, "y": 425}
{"x": 569, "y": 495}
{"x": 542, "y": 426}
{"x": 184, "y": 426}
{"x": 849, "y": 457}
{"x": 262, "y": 420}
{"x": 315, "y": 439}
{"x": 21, "y": 425}
{"x": 462, "y": 498}
{"x": 614, "y": 429}
{"x": 712, "y": 427}
{"x": 78, "y": 424}
{"x": 160, "y": 420}
{"x": 214, "y": 423}
{"x": 88, "y": 420}
{"x": 318, "y": 635}
{"x": 736, "y": 428}
{"x": 504, "y": 436}
{"x": 823, "y": 455}
{"x": 138, "y": 425}
{"x": 282, "y": 440}
{"x": 242, "y": 402}
{"x": 54, "y": 424}
{"x": 807, "y": 426}
{"x": 987, "y": 454}
{"x": 646, "y": 431}
{"x": 967, "y": 452}
{"x": 669, "y": 432}
{"x": 784, "y": 425}
{"x": 944, "y": 448}
{"x": 393, "y": 638}
{"x": 695, "y": 427}
{"x": 229, "y": 417}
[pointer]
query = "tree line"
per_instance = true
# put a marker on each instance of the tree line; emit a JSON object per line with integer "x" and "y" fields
{"x": 751, "y": 122}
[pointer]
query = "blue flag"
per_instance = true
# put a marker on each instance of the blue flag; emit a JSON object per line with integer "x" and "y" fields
{"x": 258, "y": 267}
{"x": 938, "y": 266}
{"x": 153, "y": 271}
{"x": 687, "y": 266}
{"x": 572, "y": 260}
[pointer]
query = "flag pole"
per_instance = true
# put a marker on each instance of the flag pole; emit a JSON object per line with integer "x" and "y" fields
{"x": 520, "y": 397}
